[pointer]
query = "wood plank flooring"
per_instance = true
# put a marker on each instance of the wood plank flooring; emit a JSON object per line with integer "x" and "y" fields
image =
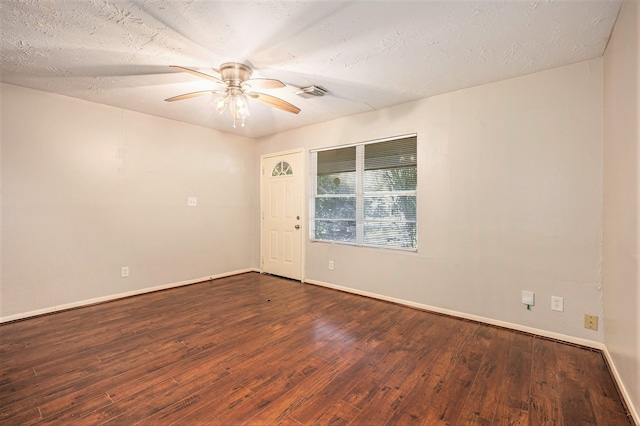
{"x": 260, "y": 350}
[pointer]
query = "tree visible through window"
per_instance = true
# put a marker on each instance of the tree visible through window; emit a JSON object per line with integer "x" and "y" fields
{"x": 366, "y": 194}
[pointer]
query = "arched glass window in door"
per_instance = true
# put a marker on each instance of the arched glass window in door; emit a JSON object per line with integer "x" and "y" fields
{"x": 282, "y": 168}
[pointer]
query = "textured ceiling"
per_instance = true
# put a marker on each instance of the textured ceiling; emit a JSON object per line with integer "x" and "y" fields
{"x": 367, "y": 54}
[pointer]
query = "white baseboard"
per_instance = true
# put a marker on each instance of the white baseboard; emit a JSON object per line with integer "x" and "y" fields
{"x": 531, "y": 330}
{"x": 81, "y": 303}
{"x": 625, "y": 394}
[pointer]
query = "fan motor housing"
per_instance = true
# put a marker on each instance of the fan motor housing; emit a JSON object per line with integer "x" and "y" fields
{"x": 235, "y": 73}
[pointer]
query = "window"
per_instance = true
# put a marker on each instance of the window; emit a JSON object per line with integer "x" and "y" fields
{"x": 281, "y": 168}
{"x": 365, "y": 194}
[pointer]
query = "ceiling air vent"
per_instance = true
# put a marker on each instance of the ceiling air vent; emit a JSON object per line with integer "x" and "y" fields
{"x": 311, "y": 91}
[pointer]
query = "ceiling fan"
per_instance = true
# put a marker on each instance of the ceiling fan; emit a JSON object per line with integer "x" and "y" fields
{"x": 239, "y": 85}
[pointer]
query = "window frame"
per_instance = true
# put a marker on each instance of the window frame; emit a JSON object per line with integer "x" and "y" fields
{"x": 360, "y": 196}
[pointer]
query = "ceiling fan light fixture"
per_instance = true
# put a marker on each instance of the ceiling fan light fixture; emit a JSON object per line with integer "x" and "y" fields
{"x": 239, "y": 107}
{"x": 238, "y": 104}
{"x": 221, "y": 103}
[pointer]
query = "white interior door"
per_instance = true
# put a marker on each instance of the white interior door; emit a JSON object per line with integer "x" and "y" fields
{"x": 282, "y": 209}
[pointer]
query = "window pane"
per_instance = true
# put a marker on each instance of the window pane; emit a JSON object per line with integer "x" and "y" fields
{"x": 337, "y": 183}
{"x": 391, "y": 234}
{"x": 282, "y": 168}
{"x": 337, "y": 160}
{"x": 390, "y": 154}
{"x": 397, "y": 179}
{"x": 395, "y": 207}
{"x": 336, "y": 230}
{"x": 336, "y": 208}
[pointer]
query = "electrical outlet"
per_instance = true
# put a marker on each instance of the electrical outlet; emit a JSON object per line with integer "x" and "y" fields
{"x": 528, "y": 298}
{"x": 192, "y": 202}
{"x": 331, "y": 265}
{"x": 591, "y": 322}
{"x": 124, "y": 271}
{"x": 557, "y": 303}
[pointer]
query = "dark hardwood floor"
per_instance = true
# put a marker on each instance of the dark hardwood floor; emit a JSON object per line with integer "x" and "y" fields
{"x": 262, "y": 350}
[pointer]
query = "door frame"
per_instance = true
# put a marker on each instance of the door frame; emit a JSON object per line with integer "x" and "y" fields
{"x": 303, "y": 202}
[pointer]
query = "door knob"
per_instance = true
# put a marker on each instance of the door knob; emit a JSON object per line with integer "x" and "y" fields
{"x": 297, "y": 226}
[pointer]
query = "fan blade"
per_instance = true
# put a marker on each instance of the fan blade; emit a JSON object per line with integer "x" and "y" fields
{"x": 198, "y": 74}
{"x": 192, "y": 95}
{"x": 264, "y": 83}
{"x": 275, "y": 102}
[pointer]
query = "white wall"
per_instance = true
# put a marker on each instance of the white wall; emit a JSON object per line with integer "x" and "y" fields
{"x": 88, "y": 188}
{"x": 509, "y": 199}
{"x": 621, "y": 199}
